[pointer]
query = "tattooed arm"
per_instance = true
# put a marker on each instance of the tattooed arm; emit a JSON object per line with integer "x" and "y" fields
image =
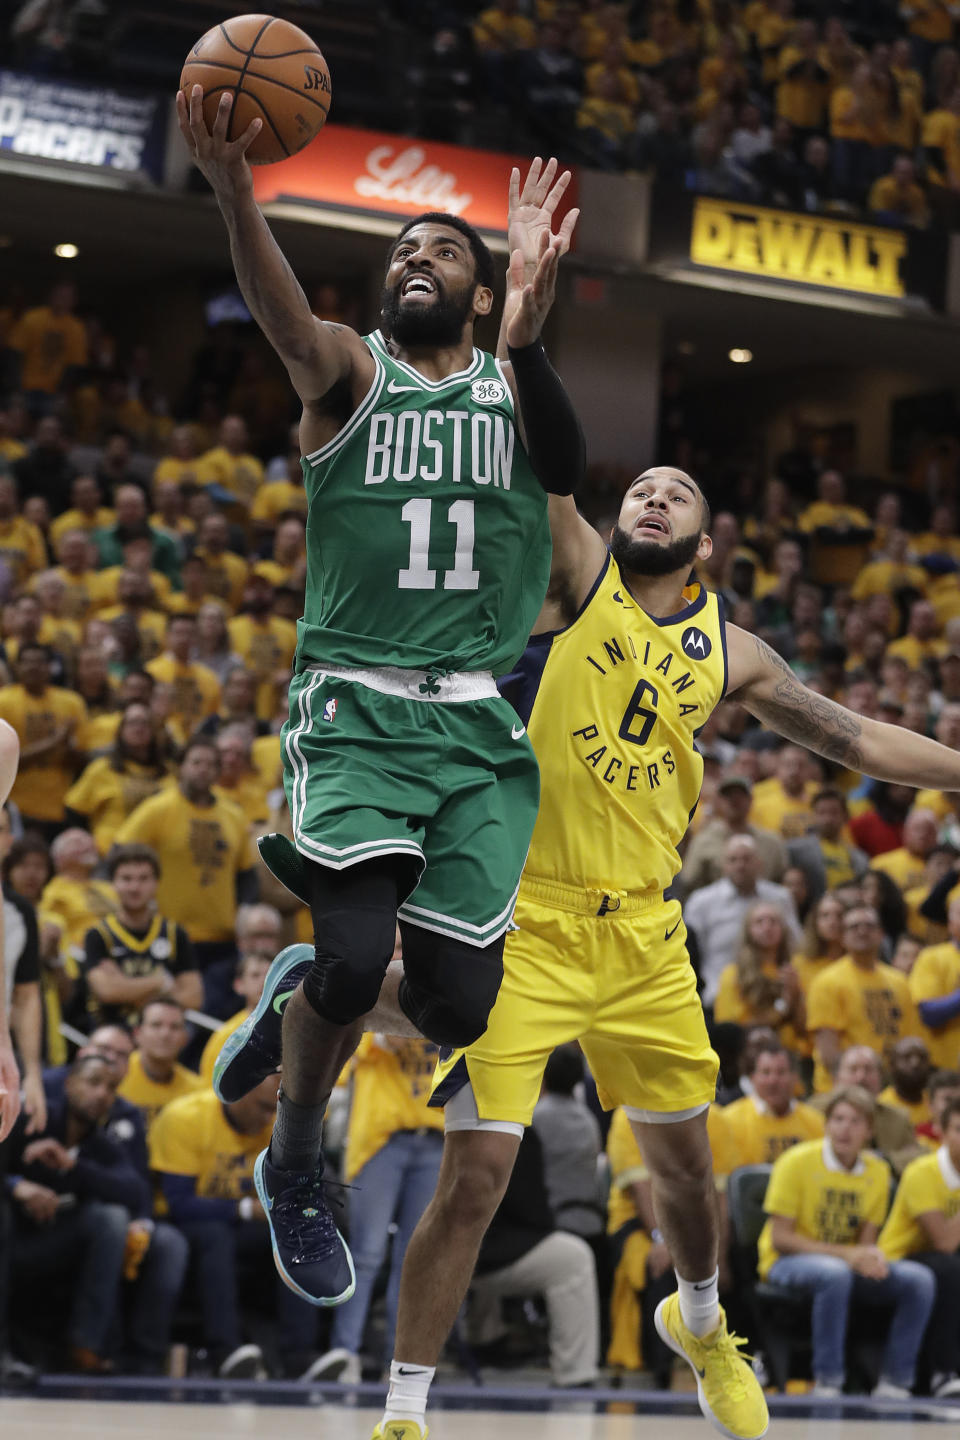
{"x": 766, "y": 686}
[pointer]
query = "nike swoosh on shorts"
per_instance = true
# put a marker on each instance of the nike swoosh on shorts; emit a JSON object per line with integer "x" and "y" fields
{"x": 670, "y": 933}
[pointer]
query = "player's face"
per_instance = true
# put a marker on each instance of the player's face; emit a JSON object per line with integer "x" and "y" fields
{"x": 658, "y": 531}
{"x": 431, "y": 287}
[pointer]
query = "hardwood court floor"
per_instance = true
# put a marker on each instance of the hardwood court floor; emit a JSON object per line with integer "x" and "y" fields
{"x": 35, "y": 1419}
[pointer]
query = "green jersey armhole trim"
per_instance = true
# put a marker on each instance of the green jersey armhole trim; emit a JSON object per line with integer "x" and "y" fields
{"x": 362, "y": 412}
{"x": 375, "y": 339}
{"x": 506, "y": 386}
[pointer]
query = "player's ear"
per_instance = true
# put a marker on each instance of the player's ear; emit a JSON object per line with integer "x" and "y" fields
{"x": 705, "y": 548}
{"x": 482, "y": 300}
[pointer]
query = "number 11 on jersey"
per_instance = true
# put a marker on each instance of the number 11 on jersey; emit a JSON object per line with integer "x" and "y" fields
{"x": 417, "y": 574}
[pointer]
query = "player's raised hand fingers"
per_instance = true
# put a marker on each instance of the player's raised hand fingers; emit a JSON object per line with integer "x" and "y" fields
{"x": 198, "y": 125}
{"x": 564, "y": 235}
{"x": 9, "y": 1110}
{"x": 546, "y": 180}
{"x": 183, "y": 119}
{"x": 516, "y": 267}
{"x": 556, "y": 191}
{"x": 221, "y": 123}
{"x": 530, "y": 183}
{"x": 513, "y": 190}
{"x": 243, "y": 142}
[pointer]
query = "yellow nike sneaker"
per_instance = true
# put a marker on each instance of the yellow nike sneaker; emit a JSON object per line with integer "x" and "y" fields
{"x": 730, "y": 1394}
{"x": 400, "y": 1430}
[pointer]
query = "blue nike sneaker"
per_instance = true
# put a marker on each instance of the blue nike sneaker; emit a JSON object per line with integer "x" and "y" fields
{"x": 311, "y": 1256}
{"x": 253, "y": 1051}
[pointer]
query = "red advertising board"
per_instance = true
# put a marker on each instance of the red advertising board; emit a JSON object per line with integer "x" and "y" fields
{"x": 378, "y": 174}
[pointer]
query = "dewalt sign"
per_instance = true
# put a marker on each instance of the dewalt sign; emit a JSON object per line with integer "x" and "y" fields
{"x": 802, "y": 249}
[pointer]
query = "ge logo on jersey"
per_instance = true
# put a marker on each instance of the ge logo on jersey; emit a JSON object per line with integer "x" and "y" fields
{"x": 487, "y": 392}
{"x": 695, "y": 643}
{"x": 330, "y": 711}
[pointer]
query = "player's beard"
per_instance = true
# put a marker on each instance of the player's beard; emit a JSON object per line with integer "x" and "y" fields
{"x": 648, "y": 557}
{"x": 439, "y": 323}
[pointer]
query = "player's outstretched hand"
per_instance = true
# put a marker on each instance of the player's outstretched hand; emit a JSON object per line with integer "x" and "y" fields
{"x": 534, "y": 297}
{"x": 222, "y": 161}
{"x": 531, "y": 209}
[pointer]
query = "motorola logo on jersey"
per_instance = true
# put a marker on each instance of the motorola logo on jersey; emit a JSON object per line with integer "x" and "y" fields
{"x": 695, "y": 644}
{"x": 487, "y": 392}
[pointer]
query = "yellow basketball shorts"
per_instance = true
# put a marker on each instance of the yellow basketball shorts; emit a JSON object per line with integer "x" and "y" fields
{"x": 609, "y": 970}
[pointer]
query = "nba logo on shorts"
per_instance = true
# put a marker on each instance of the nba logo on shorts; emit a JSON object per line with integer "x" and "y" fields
{"x": 330, "y": 711}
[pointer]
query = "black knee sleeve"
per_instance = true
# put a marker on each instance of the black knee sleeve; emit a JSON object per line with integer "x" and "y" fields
{"x": 448, "y": 988}
{"x": 354, "y": 925}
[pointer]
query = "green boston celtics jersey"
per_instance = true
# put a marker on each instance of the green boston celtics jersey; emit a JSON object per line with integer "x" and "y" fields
{"x": 428, "y": 544}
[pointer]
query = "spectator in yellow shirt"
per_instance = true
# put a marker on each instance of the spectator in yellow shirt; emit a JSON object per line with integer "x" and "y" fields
{"x": 113, "y": 785}
{"x": 155, "y": 1077}
{"x": 898, "y": 198}
{"x": 183, "y": 465}
{"x": 840, "y": 533}
{"x": 924, "y": 1225}
{"x": 196, "y": 690}
{"x": 935, "y": 987}
{"x": 264, "y": 642}
{"x": 891, "y": 571}
{"x": 823, "y": 853}
{"x": 922, "y": 640}
{"x": 826, "y": 1202}
{"x": 906, "y": 865}
{"x": 206, "y": 857}
{"x": 22, "y": 551}
{"x": 804, "y": 83}
{"x": 87, "y": 511}
{"x": 230, "y": 464}
{"x": 239, "y": 781}
{"x": 822, "y": 939}
{"x": 226, "y": 573}
{"x": 77, "y": 570}
{"x": 49, "y": 723}
{"x": 761, "y": 987}
{"x": 783, "y": 803}
{"x": 51, "y": 341}
{"x": 502, "y": 29}
{"x": 288, "y": 562}
{"x": 858, "y": 1000}
{"x": 73, "y": 898}
{"x": 770, "y": 1119}
{"x": 277, "y": 497}
{"x": 773, "y": 26}
{"x": 910, "y": 1071}
{"x": 930, "y": 23}
{"x": 940, "y": 137}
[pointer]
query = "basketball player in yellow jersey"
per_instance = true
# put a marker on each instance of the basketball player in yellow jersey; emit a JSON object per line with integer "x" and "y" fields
{"x": 9, "y": 1074}
{"x": 625, "y": 665}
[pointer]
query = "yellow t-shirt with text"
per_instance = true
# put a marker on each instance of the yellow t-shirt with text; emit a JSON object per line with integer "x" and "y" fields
{"x": 391, "y": 1091}
{"x": 196, "y": 690}
{"x": 926, "y": 1185}
{"x": 936, "y": 973}
{"x": 759, "y": 1137}
{"x": 105, "y": 796}
{"x": 194, "y": 1137}
{"x": 866, "y": 1007}
{"x": 41, "y": 784}
{"x": 150, "y": 1096}
{"x": 264, "y": 649}
{"x": 826, "y": 1204}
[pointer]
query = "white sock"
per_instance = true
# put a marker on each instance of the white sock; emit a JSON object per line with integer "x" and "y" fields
{"x": 700, "y": 1304}
{"x": 407, "y": 1396}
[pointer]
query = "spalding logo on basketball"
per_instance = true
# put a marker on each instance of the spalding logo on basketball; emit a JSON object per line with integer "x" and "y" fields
{"x": 695, "y": 644}
{"x": 487, "y": 392}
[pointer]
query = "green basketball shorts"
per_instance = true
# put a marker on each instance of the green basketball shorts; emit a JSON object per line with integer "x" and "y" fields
{"x": 436, "y": 768}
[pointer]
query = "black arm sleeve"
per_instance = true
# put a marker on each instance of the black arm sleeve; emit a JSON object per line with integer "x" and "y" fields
{"x": 555, "y": 443}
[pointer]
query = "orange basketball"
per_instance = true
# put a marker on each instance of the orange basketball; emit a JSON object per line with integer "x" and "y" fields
{"x": 274, "y": 70}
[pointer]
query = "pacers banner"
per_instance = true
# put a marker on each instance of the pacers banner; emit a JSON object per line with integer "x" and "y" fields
{"x": 81, "y": 124}
{"x": 394, "y": 175}
{"x": 804, "y": 249}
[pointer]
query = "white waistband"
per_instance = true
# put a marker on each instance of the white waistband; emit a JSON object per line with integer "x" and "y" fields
{"x": 450, "y": 689}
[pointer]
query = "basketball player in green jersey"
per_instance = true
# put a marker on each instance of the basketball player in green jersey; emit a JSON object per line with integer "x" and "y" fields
{"x": 412, "y": 787}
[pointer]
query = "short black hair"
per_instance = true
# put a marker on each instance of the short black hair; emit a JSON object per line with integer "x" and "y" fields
{"x": 482, "y": 259}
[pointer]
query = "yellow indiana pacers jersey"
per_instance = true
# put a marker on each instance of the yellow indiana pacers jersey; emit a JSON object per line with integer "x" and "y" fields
{"x": 612, "y": 705}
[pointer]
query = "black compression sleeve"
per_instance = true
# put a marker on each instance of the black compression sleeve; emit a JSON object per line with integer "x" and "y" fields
{"x": 555, "y": 443}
